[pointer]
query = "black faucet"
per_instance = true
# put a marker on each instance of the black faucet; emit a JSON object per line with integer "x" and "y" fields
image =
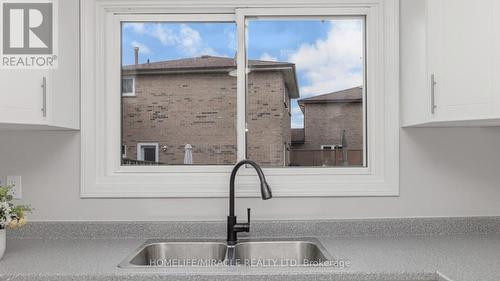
{"x": 232, "y": 226}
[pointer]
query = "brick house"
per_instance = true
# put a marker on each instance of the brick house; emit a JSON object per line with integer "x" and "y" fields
{"x": 326, "y": 118}
{"x": 170, "y": 104}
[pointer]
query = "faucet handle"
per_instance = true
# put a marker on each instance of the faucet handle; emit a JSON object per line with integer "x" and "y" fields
{"x": 248, "y": 216}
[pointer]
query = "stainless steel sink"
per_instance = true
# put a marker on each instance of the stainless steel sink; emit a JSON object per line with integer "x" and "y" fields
{"x": 206, "y": 253}
{"x": 155, "y": 253}
{"x": 280, "y": 253}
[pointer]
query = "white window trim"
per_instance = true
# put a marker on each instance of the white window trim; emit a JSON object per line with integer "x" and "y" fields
{"x": 140, "y": 153}
{"x": 132, "y": 94}
{"x": 102, "y": 173}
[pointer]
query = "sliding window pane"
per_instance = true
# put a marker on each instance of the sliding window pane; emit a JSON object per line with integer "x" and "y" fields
{"x": 178, "y": 93}
{"x": 305, "y": 92}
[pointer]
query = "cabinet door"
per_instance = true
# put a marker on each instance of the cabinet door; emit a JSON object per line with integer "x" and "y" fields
{"x": 22, "y": 96}
{"x": 461, "y": 50}
{"x": 496, "y": 57}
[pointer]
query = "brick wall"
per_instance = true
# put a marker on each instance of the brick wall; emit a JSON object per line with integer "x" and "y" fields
{"x": 268, "y": 119}
{"x": 200, "y": 109}
{"x": 324, "y": 123}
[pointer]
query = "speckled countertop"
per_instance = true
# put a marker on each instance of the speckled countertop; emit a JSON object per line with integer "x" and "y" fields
{"x": 469, "y": 255}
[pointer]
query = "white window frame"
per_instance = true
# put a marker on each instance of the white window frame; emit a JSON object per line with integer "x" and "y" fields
{"x": 131, "y": 94}
{"x": 104, "y": 176}
{"x": 140, "y": 152}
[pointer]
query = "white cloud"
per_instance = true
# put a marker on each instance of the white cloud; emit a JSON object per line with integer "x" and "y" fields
{"x": 138, "y": 27}
{"x": 297, "y": 116}
{"x": 142, "y": 47}
{"x": 296, "y": 109}
{"x": 190, "y": 39}
{"x": 298, "y": 122}
{"x": 192, "y": 44}
{"x": 166, "y": 36}
{"x": 231, "y": 45}
{"x": 334, "y": 63}
{"x": 186, "y": 39}
{"x": 268, "y": 57}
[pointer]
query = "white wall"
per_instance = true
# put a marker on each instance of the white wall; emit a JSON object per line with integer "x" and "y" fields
{"x": 444, "y": 172}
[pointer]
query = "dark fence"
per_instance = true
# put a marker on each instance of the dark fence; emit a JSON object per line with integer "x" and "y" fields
{"x": 311, "y": 157}
{"x": 132, "y": 162}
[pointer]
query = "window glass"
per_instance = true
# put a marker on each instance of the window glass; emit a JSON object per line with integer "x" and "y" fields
{"x": 127, "y": 86}
{"x": 149, "y": 153}
{"x": 185, "y": 92}
{"x": 319, "y": 64}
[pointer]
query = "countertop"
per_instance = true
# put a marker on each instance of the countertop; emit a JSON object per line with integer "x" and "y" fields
{"x": 458, "y": 258}
{"x": 439, "y": 257}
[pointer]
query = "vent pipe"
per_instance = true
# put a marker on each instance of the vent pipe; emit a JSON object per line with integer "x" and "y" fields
{"x": 136, "y": 55}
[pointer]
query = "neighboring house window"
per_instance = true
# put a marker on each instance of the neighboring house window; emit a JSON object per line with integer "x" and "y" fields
{"x": 286, "y": 99}
{"x": 225, "y": 95}
{"x": 124, "y": 151}
{"x": 147, "y": 152}
{"x": 285, "y": 154}
{"x": 128, "y": 86}
{"x": 328, "y": 147}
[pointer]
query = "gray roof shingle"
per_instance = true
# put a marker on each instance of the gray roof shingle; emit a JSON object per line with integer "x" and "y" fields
{"x": 207, "y": 62}
{"x": 348, "y": 95}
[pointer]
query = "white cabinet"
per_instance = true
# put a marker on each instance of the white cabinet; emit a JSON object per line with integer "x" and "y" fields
{"x": 46, "y": 99}
{"x": 450, "y": 62}
{"x": 22, "y": 96}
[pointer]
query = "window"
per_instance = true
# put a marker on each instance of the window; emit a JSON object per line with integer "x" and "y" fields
{"x": 322, "y": 71}
{"x": 286, "y": 100}
{"x": 147, "y": 152}
{"x": 188, "y": 97}
{"x": 124, "y": 151}
{"x": 328, "y": 147}
{"x": 282, "y": 84}
{"x": 128, "y": 86}
{"x": 286, "y": 153}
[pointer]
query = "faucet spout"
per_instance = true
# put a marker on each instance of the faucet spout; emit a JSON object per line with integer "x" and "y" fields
{"x": 265, "y": 191}
{"x": 232, "y": 226}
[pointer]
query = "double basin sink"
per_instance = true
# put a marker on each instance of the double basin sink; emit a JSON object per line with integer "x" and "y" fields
{"x": 254, "y": 252}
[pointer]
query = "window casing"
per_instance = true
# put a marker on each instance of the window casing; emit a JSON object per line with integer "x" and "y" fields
{"x": 102, "y": 174}
{"x": 148, "y": 152}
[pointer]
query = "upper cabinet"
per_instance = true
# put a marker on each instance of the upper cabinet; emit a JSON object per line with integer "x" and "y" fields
{"x": 450, "y": 62}
{"x": 46, "y": 98}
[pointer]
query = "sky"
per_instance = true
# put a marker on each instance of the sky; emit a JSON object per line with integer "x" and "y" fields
{"x": 328, "y": 53}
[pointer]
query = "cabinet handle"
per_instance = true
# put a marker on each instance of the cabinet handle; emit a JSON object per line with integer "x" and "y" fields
{"x": 44, "y": 97}
{"x": 433, "y": 93}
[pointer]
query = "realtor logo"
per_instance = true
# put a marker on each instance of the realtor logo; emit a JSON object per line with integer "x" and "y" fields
{"x": 28, "y": 34}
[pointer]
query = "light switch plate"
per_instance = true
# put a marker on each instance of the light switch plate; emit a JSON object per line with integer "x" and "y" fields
{"x": 15, "y": 181}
